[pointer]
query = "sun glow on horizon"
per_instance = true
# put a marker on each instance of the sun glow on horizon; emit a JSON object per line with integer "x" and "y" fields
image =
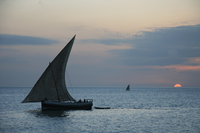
{"x": 177, "y": 85}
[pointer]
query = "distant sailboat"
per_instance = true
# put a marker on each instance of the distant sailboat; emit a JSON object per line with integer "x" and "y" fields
{"x": 51, "y": 89}
{"x": 128, "y": 88}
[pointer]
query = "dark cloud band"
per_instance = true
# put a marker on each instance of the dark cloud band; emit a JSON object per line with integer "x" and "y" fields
{"x": 161, "y": 47}
{"x": 6, "y": 39}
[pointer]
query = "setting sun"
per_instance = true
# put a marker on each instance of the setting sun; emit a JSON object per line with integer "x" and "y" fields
{"x": 177, "y": 85}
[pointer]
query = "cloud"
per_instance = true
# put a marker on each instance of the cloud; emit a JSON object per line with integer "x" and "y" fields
{"x": 160, "y": 47}
{"x": 183, "y": 36}
{"x": 167, "y": 46}
{"x": 6, "y": 39}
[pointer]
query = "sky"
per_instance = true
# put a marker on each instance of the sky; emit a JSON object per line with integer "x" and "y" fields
{"x": 118, "y": 42}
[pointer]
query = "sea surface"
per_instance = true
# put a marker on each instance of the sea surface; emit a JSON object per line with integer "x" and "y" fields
{"x": 140, "y": 110}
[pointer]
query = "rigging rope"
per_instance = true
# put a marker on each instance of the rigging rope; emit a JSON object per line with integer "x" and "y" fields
{"x": 54, "y": 81}
{"x": 70, "y": 84}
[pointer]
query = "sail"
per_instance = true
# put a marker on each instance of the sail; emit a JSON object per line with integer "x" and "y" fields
{"x": 51, "y": 85}
{"x": 128, "y": 88}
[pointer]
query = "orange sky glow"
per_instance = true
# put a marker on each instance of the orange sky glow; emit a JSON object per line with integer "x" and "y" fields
{"x": 180, "y": 68}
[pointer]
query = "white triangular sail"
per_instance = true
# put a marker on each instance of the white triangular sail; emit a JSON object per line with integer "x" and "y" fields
{"x": 51, "y": 85}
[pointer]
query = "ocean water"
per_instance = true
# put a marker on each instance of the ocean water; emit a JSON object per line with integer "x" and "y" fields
{"x": 140, "y": 110}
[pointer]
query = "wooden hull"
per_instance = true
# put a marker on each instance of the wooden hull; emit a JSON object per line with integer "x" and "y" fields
{"x": 51, "y": 105}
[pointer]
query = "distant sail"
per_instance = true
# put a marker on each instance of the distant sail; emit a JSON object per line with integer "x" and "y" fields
{"x": 51, "y": 85}
{"x": 128, "y": 88}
